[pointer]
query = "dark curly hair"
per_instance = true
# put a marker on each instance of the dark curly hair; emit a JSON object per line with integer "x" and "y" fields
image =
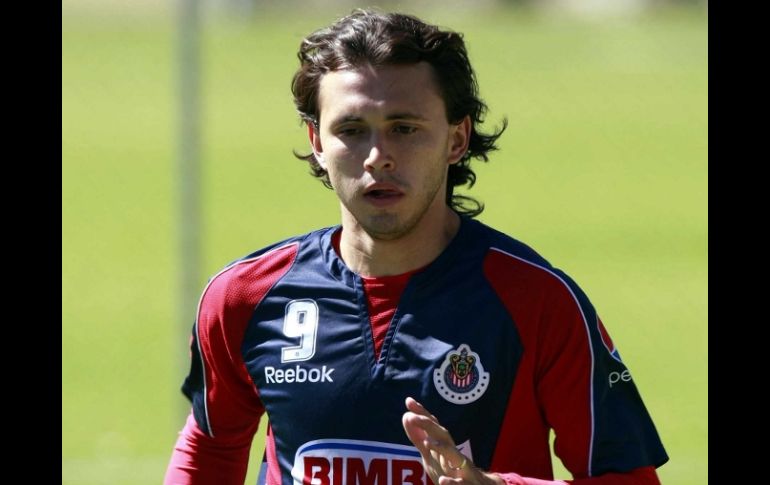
{"x": 370, "y": 37}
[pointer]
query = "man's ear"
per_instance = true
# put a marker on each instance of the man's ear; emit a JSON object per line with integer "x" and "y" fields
{"x": 459, "y": 139}
{"x": 315, "y": 143}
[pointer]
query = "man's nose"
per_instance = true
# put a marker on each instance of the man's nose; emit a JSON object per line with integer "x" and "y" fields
{"x": 378, "y": 158}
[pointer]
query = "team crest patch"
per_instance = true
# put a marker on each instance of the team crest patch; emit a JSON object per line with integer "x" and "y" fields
{"x": 461, "y": 378}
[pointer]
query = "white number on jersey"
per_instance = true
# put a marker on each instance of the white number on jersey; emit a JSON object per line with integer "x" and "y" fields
{"x": 301, "y": 321}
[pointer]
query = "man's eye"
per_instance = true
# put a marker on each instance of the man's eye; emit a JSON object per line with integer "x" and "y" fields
{"x": 404, "y": 129}
{"x": 349, "y": 131}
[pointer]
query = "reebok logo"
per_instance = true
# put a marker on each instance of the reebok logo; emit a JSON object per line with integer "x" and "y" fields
{"x": 297, "y": 374}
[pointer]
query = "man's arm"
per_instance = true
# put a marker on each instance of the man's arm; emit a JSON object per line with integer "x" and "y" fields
{"x": 200, "y": 459}
{"x": 226, "y": 407}
{"x": 639, "y": 476}
{"x": 446, "y": 465}
{"x": 571, "y": 379}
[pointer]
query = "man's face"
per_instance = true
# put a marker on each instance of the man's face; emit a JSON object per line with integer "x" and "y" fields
{"x": 385, "y": 141}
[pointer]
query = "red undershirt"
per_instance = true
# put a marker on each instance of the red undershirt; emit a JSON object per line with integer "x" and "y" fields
{"x": 382, "y": 296}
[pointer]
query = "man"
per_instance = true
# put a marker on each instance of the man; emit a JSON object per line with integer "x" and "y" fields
{"x": 411, "y": 344}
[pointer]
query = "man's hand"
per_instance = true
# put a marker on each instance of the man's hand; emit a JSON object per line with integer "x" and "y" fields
{"x": 443, "y": 462}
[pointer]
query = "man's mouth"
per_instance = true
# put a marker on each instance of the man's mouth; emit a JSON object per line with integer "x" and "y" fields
{"x": 383, "y": 193}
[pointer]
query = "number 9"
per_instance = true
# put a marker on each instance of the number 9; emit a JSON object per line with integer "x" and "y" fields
{"x": 301, "y": 321}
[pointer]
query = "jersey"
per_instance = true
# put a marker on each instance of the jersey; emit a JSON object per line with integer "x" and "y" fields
{"x": 498, "y": 344}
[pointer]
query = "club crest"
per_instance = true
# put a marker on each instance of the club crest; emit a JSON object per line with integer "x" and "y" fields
{"x": 461, "y": 378}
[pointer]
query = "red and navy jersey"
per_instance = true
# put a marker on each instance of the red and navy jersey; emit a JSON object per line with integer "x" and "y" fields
{"x": 499, "y": 345}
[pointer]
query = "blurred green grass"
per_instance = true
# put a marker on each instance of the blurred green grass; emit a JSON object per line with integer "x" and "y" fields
{"x": 603, "y": 169}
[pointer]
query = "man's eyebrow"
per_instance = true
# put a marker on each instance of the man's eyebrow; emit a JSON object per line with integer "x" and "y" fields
{"x": 346, "y": 119}
{"x": 391, "y": 117}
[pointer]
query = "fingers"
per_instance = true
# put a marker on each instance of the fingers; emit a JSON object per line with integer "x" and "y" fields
{"x": 422, "y": 428}
{"x": 415, "y": 432}
{"x": 444, "y": 480}
{"x": 432, "y": 429}
{"x": 442, "y": 460}
{"x": 414, "y": 406}
{"x": 452, "y": 460}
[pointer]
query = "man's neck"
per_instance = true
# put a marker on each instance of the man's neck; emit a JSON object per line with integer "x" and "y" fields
{"x": 368, "y": 256}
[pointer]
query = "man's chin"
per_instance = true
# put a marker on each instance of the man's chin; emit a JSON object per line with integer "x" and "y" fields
{"x": 386, "y": 227}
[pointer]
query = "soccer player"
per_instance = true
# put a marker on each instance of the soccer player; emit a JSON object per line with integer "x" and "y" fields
{"x": 411, "y": 344}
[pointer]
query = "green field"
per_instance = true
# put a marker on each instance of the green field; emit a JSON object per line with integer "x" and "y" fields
{"x": 603, "y": 170}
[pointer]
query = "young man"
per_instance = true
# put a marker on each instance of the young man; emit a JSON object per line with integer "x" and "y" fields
{"x": 411, "y": 344}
